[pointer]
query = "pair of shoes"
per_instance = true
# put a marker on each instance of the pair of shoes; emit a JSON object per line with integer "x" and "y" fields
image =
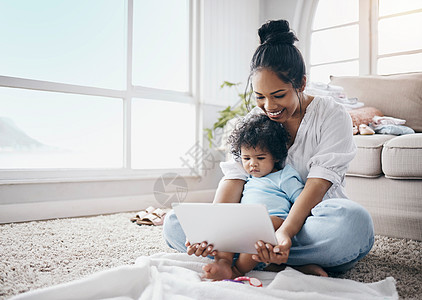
{"x": 150, "y": 216}
{"x": 155, "y": 218}
{"x": 139, "y": 215}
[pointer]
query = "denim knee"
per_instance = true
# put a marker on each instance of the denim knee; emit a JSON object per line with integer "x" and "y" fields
{"x": 356, "y": 236}
{"x": 339, "y": 232}
{"x": 173, "y": 233}
{"x": 359, "y": 223}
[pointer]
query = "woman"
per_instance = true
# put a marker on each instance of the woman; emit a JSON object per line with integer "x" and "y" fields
{"x": 324, "y": 231}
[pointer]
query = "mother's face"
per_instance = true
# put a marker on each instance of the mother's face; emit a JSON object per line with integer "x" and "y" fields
{"x": 276, "y": 98}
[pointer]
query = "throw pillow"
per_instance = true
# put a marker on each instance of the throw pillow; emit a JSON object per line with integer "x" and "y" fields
{"x": 364, "y": 115}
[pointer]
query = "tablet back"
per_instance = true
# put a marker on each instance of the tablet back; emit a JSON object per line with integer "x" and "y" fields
{"x": 230, "y": 227}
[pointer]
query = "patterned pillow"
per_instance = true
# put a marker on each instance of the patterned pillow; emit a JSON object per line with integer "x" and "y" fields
{"x": 364, "y": 115}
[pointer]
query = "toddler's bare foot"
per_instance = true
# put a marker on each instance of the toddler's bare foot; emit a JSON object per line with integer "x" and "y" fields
{"x": 311, "y": 270}
{"x": 218, "y": 270}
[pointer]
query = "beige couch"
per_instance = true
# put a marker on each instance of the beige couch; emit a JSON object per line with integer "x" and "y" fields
{"x": 386, "y": 174}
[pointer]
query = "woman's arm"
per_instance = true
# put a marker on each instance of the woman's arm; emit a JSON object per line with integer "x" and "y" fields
{"x": 312, "y": 194}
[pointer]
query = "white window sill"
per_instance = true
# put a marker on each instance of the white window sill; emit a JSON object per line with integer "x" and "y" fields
{"x": 9, "y": 177}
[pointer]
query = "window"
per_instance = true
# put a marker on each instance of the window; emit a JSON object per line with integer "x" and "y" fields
{"x": 399, "y": 36}
{"x": 179, "y": 134}
{"x": 56, "y": 130}
{"x": 160, "y": 46}
{"x": 335, "y": 40}
{"x": 64, "y": 41}
{"x": 346, "y": 43}
{"x": 98, "y": 85}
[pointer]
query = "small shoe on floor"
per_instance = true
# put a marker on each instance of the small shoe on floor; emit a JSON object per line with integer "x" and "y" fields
{"x": 365, "y": 130}
{"x": 141, "y": 214}
{"x": 355, "y": 130}
{"x": 155, "y": 218}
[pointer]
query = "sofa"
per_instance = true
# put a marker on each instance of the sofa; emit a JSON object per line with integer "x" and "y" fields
{"x": 386, "y": 174}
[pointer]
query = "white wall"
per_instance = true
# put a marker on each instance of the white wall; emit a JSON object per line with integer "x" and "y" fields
{"x": 279, "y": 9}
{"x": 297, "y": 12}
{"x": 230, "y": 39}
{"x": 230, "y": 31}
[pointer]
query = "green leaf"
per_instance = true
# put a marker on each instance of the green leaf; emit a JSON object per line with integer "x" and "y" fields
{"x": 239, "y": 110}
{"x": 228, "y": 84}
{"x": 209, "y": 136}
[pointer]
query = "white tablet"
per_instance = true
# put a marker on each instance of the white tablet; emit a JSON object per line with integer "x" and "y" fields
{"x": 230, "y": 227}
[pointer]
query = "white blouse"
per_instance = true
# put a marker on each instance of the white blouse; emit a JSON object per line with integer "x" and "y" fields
{"x": 323, "y": 147}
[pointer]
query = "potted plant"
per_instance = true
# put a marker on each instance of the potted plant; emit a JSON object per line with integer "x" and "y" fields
{"x": 229, "y": 115}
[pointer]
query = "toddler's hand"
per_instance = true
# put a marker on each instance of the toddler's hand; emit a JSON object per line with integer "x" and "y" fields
{"x": 200, "y": 249}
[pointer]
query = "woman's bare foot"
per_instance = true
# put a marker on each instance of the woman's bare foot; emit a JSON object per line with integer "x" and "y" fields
{"x": 311, "y": 270}
{"x": 218, "y": 270}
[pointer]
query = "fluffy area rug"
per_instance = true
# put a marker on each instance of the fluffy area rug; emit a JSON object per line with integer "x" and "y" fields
{"x": 44, "y": 253}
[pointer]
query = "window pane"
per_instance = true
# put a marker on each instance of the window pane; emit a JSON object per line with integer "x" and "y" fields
{"x": 162, "y": 133}
{"x": 401, "y": 33}
{"x": 69, "y": 41}
{"x": 57, "y": 130}
{"x": 161, "y": 44}
{"x": 335, "y": 44}
{"x": 389, "y": 7}
{"x": 322, "y": 73}
{"x": 400, "y": 64}
{"x": 333, "y": 12}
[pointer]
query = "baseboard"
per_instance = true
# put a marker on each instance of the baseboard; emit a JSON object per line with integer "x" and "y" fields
{"x": 22, "y": 212}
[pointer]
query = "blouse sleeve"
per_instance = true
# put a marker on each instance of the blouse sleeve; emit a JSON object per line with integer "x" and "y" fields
{"x": 233, "y": 170}
{"x": 335, "y": 148}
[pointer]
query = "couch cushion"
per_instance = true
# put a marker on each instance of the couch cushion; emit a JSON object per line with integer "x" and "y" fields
{"x": 402, "y": 157}
{"x": 367, "y": 162}
{"x": 398, "y": 96}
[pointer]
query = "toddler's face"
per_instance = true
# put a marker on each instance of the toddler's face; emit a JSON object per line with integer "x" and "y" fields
{"x": 257, "y": 162}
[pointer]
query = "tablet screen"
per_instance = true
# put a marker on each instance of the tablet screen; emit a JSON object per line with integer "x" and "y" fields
{"x": 230, "y": 227}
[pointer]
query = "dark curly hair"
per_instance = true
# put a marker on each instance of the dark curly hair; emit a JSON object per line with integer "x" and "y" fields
{"x": 257, "y": 130}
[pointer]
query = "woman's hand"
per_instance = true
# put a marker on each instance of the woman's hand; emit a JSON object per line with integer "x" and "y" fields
{"x": 200, "y": 249}
{"x": 278, "y": 254}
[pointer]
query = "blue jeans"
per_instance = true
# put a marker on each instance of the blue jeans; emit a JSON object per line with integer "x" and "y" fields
{"x": 337, "y": 234}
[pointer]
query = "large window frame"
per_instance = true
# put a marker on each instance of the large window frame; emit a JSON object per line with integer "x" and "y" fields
{"x": 368, "y": 36}
{"x": 12, "y": 176}
{"x": 375, "y": 18}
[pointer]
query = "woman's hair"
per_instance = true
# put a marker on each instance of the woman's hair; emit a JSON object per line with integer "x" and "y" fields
{"x": 278, "y": 53}
{"x": 257, "y": 130}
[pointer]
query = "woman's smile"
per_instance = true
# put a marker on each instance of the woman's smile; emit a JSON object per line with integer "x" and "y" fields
{"x": 275, "y": 114}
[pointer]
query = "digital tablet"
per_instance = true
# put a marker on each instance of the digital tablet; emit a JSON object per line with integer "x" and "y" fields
{"x": 230, "y": 227}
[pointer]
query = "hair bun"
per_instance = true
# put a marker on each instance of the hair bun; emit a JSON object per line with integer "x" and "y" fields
{"x": 276, "y": 32}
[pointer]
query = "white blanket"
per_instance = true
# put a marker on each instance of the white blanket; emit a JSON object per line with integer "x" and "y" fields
{"x": 178, "y": 276}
